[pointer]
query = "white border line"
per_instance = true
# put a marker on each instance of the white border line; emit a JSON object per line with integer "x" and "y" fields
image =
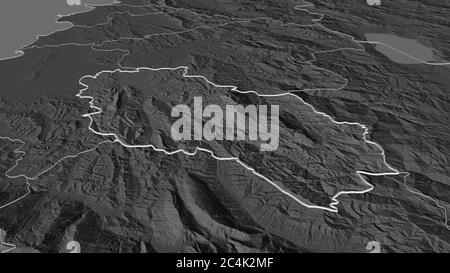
{"x": 307, "y": 4}
{"x": 17, "y": 151}
{"x": 11, "y": 246}
{"x": 403, "y": 53}
{"x": 334, "y": 202}
{"x": 407, "y": 174}
{"x": 332, "y": 206}
{"x": 21, "y": 49}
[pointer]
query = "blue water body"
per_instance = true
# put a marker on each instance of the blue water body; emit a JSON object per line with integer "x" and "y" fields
{"x": 22, "y": 20}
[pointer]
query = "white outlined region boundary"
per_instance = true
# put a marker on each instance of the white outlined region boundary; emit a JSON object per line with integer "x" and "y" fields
{"x": 332, "y": 206}
{"x": 17, "y": 151}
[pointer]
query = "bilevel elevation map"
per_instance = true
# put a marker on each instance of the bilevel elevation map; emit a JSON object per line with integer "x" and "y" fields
{"x": 225, "y": 126}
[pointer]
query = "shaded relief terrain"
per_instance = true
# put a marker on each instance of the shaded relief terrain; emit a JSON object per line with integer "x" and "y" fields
{"x": 87, "y": 154}
{"x": 137, "y": 108}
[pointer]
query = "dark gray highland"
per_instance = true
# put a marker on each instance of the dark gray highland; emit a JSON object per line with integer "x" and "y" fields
{"x": 103, "y": 176}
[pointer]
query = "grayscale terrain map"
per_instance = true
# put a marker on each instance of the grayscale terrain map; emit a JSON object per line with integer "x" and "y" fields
{"x": 117, "y": 133}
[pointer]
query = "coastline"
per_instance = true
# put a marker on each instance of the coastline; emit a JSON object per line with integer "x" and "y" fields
{"x": 17, "y": 40}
